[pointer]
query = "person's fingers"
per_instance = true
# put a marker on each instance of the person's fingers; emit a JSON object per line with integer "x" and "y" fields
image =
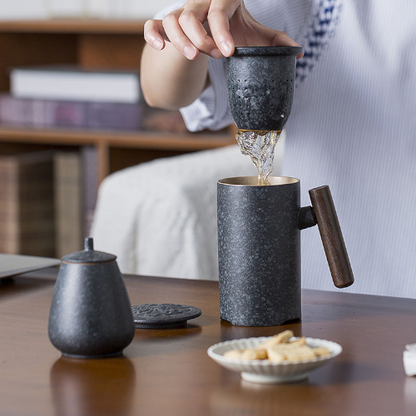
{"x": 277, "y": 38}
{"x": 219, "y": 16}
{"x": 154, "y": 34}
{"x": 191, "y": 24}
{"x": 184, "y": 28}
{"x": 283, "y": 39}
{"x": 177, "y": 37}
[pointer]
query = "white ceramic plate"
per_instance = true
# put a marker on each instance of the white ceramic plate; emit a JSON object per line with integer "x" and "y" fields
{"x": 266, "y": 372}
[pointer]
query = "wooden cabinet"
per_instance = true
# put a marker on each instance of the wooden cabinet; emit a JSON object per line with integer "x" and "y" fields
{"x": 90, "y": 44}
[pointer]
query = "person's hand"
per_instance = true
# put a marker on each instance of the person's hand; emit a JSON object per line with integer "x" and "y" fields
{"x": 213, "y": 27}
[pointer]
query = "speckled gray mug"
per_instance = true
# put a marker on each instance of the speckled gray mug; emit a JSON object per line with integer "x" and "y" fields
{"x": 259, "y": 248}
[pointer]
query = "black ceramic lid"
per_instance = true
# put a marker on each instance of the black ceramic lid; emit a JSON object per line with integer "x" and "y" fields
{"x": 163, "y": 315}
{"x": 88, "y": 255}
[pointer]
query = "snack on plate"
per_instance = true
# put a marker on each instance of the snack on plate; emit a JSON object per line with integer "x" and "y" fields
{"x": 281, "y": 338}
{"x": 320, "y": 351}
{"x": 279, "y": 349}
{"x": 248, "y": 354}
{"x": 278, "y": 355}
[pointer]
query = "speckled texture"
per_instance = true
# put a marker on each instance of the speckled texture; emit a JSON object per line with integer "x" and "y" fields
{"x": 90, "y": 314}
{"x": 260, "y": 84}
{"x": 163, "y": 315}
{"x": 89, "y": 255}
{"x": 259, "y": 254}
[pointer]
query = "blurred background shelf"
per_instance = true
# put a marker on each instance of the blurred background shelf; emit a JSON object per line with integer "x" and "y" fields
{"x": 90, "y": 44}
{"x": 162, "y": 143}
{"x": 77, "y": 26}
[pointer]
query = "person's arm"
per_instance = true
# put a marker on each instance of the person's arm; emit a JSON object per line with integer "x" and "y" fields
{"x": 169, "y": 80}
{"x": 174, "y": 65}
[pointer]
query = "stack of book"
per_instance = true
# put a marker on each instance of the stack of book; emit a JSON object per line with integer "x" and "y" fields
{"x": 69, "y": 203}
{"x": 27, "y": 205}
{"x": 46, "y": 201}
{"x": 69, "y": 97}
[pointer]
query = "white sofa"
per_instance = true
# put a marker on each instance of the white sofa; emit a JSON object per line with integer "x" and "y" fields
{"x": 159, "y": 217}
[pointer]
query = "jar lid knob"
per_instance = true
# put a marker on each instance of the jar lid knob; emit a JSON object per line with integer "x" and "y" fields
{"x": 89, "y": 244}
{"x": 89, "y": 255}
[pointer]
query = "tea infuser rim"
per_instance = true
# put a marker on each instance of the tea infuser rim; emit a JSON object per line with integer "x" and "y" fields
{"x": 267, "y": 51}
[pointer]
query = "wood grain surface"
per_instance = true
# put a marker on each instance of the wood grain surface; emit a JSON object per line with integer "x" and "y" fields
{"x": 331, "y": 235}
{"x": 168, "y": 372}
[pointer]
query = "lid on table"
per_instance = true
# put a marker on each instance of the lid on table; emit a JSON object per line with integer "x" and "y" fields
{"x": 89, "y": 255}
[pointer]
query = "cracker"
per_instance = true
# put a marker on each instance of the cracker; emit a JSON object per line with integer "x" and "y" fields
{"x": 279, "y": 349}
{"x": 281, "y": 338}
{"x": 247, "y": 354}
{"x": 234, "y": 354}
{"x": 254, "y": 354}
{"x": 275, "y": 356}
{"x": 321, "y": 351}
{"x": 299, "y": 354}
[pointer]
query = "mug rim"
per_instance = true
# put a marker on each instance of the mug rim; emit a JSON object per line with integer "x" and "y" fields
{"x": 253, "y": 181}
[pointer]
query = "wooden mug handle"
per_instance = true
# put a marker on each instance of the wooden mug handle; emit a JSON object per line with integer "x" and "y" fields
{"x": 331, "y": 236}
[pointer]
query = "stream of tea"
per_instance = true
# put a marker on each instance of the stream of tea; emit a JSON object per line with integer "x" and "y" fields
{"x": 260, "y": 146}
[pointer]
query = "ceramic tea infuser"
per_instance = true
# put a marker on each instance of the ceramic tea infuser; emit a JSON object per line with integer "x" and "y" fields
{"x": 260, "y": 85}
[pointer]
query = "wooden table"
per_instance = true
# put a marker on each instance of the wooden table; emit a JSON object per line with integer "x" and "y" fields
{"x": 168, "y": 372}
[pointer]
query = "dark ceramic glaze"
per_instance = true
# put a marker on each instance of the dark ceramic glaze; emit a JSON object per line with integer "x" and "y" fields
{"x": 259, "y": 250}
{"x": 260, "y": 84}
{"x": 90, "y": 315}
{"x": 163, "y": 315}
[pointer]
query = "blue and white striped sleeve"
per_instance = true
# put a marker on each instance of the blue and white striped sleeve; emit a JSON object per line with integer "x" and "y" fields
{"x": 163, "y": 12}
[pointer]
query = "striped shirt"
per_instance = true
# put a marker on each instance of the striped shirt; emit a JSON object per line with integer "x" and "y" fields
{"x": 352, "y": 127}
